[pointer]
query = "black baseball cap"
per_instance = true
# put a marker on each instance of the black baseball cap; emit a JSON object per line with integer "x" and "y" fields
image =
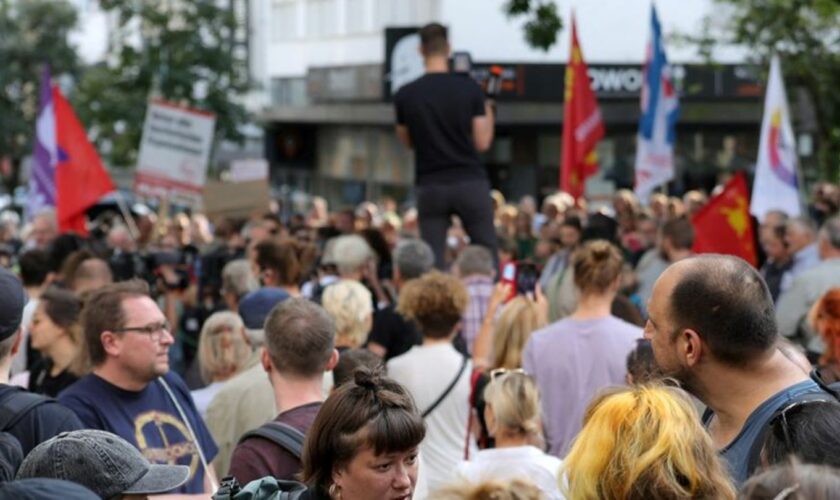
{"x": 12, "y": 300}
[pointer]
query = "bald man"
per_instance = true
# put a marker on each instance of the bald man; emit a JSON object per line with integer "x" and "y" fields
{"x": 712, "y": 327}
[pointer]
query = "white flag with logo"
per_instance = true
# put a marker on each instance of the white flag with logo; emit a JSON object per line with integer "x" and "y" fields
{"x": 776, "y": 186}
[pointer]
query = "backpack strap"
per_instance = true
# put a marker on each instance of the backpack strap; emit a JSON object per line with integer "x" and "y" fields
{"x": 283, "y": 435}
{"x": 445, "y": 393}
{"x": 15, "y": 403}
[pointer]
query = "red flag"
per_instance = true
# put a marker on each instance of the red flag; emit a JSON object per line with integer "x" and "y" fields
{"x": 724, "y": 224}
{"x": 80, "y": 178}
{"x": 582, "y": 124}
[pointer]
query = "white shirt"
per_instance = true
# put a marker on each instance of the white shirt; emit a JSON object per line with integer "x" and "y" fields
{"x": 203, "y": 396}
{"x": 19, "y": 361}
{"x": 426, "y": 371}
{"x": 520, "y": 462}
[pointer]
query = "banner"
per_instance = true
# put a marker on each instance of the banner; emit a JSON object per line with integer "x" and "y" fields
{"x": 724, "y": 225}
{"x": 776, "y": 186}
{"x": 44, "y": 157}
{"x": 582, "y": 124}
{"x": 80, "y": 178}
{"x": 660, "y": 111}
{"x": 174, "y": 152}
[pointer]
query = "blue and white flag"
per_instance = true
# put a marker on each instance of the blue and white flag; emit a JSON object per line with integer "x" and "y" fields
{"x": 660, "y": 111}
{"x": 776, "y": 186}
{"x": 45, "y": 157}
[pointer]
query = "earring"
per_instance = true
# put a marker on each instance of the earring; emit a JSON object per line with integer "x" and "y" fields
{"x": 335, "y": 492}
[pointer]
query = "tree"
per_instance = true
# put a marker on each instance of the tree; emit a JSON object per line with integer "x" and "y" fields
{"x": 179, "y": 50}
{"x": 543, "y": 23}
{"x": 804, "y": 33}
{"x": 32, "y": 33}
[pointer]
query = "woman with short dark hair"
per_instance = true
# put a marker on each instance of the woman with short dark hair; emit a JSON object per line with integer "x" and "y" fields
{"x": 364, "y": 442}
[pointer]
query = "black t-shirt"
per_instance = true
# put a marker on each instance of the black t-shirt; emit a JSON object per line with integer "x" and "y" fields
{"x": 438, "y": 109}
{"x": 393, "y": 332}
{"x": 41, "y": 382}
{"x": 41, "y": 422}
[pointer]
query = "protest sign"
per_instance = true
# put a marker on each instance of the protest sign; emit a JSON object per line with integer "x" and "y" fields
{"x": 236, "y": 199}
{"x": 174, "y": 152}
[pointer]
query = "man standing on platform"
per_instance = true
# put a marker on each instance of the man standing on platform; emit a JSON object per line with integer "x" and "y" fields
{"x": 444, "y": 117}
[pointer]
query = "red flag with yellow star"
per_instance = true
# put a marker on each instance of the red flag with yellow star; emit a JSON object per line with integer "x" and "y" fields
{"x": 724, "y": 224}
{"x": 582, "y": 124}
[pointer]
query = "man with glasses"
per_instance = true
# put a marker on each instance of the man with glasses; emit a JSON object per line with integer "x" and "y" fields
{"x": 131, "y": 392}
{"x": 712, "y": 327}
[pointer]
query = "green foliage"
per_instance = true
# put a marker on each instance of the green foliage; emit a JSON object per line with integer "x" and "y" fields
{"x": 806, "y": 35}
{"x": 32, "y": 33}
{"x": 543, "y": 23}
{"x": 185, "y": 55}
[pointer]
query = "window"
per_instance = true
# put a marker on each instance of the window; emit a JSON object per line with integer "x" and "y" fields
{"x": 356, "y": 16}
{"x": 405, "y": 12}
{"x": 321, "y": 18}
{"x": 283, "y": 20}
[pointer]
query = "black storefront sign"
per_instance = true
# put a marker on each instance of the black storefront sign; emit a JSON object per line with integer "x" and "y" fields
{"x": 545, "y": 82}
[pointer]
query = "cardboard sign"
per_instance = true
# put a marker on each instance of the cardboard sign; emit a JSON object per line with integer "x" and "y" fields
{"x": 251, "y": 169}
{"x": 235, "y": 199}
{"x": 174, "y": 152}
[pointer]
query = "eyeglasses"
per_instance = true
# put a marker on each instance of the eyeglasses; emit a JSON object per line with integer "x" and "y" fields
{"x": 153, "y": 330}
{"x": 498, "y": 372}
{"x": 782, "y": 416}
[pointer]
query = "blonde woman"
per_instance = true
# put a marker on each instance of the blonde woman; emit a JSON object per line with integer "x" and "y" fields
{"x": 518, "y": 489}
{"x": 512, "y": 413}
{"x": 223, "y": 351}
{"x": 643, "y": 443}
{"x": 502, "y": 340}
{"x": 351, "y": 307}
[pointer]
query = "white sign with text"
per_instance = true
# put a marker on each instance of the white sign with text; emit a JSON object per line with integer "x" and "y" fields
{"x": 174, "y": 152}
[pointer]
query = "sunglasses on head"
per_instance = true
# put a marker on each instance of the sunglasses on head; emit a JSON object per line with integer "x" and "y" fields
{"x": 779, "y": 421}
{"x": 498, "y": 372}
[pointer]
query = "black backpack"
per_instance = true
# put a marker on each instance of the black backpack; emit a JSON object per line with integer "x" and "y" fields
{"x": 266, "y": 488}
{"x": 283, "y": 435}
{"x": 15, "y": 403}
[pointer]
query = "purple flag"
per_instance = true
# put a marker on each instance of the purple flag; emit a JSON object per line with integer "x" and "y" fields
{"x": 44, "y": 158}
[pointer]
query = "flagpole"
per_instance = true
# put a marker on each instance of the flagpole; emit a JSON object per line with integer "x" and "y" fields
{"x": 800, "y": 181}
{"x": 126, "y": 213}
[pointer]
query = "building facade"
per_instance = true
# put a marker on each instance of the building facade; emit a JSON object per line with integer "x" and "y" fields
{"x": 326, "y": 69}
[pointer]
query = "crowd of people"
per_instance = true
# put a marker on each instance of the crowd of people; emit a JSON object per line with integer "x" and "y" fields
{"x": 330, "y": 355}
{"x": 465, "y": 347}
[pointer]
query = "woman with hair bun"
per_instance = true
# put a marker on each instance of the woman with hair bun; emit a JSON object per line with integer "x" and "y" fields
{"x": 572, "y": 359}
{"x": 364, "y": 442}
{"x": 363, "y": 445}
{"x": 513, "y": 415}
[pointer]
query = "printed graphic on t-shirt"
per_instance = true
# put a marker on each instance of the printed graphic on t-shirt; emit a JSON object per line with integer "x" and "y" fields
{"x": 164, "y": 439}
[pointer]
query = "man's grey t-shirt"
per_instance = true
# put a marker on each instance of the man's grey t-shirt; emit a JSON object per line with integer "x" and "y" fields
{"x": 737, "y": 453}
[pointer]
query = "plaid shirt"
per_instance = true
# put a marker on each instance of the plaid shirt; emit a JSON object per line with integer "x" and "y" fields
{"x": 479, "y": 288}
